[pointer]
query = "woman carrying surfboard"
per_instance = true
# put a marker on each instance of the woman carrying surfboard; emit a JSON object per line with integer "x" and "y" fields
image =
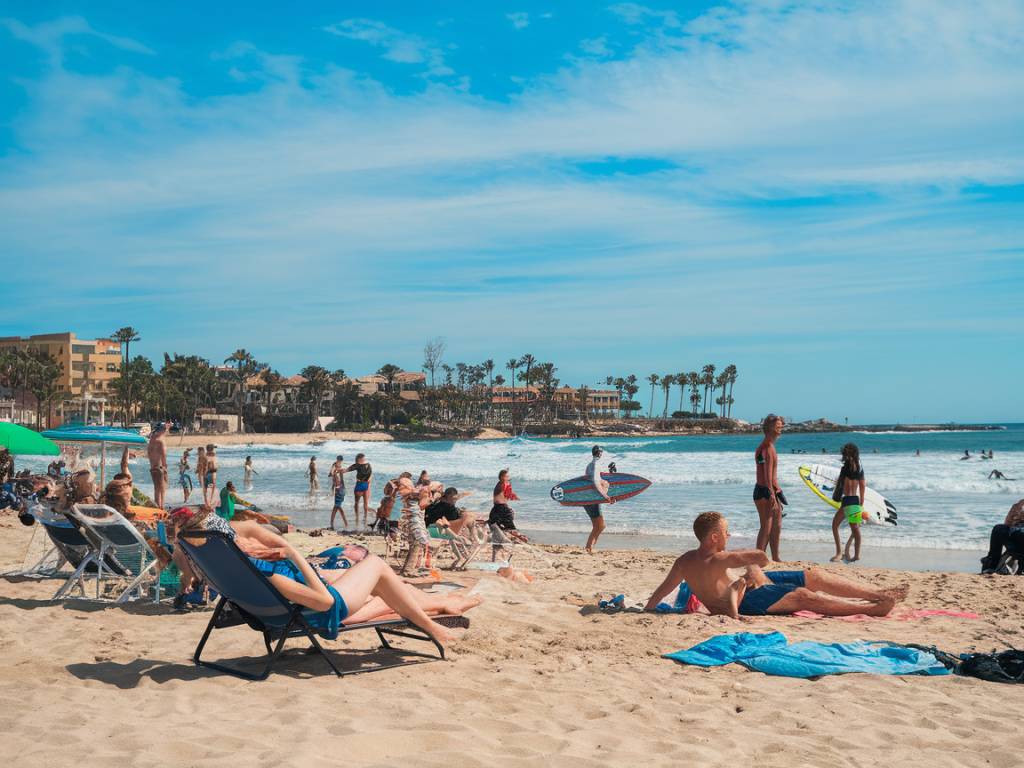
{"x": 850, "y": 485}
{"x": 766, "y": 490}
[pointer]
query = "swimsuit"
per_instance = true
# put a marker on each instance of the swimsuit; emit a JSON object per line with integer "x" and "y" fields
{"x": 339, "y": 495}
{"x": 854, "y": 511}
{"x": 208, "y": 480}
{"x": 761, "y": 491}
{"x": 186, "y": 480}
{"x": 593, "y": 510}
{"x": 756, "y": 602}
{"x": 330, "y": 620}
{"x": 362, "y": 487}
{"x": 363, "y": 473}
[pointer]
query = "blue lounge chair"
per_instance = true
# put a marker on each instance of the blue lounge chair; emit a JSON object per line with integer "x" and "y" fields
{"x": 248, "y": 597}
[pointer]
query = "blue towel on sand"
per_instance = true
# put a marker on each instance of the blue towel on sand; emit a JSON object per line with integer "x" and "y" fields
{"x": 772, "y": 654}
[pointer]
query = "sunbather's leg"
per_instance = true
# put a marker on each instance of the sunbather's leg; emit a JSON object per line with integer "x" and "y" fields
{"x": 820, "y": 580}
{"x": 373, "y": 576}
{"x": 802, "y": 599}
{"x": 455, "y": 603}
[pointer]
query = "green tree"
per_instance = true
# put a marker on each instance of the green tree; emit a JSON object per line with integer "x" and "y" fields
{"x": 653, "y": 381}
{"x": 730, "y": 371}
{"x": 318, "y": 382}
{"x": 708, "y": 380}
{"x": 389, "y": 372}
{"x": 666, "y": 384}
{"x": 125, "y": 337}
{"x": 245, "y": 367}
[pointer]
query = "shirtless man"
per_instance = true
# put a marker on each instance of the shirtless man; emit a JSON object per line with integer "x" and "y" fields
{"x": 756, "y": 593}
{"x": 314, "y": 481}
{"x": 157, "y": 451}
{"x": 337, "y": 476}
{"x": 210, "y": 476}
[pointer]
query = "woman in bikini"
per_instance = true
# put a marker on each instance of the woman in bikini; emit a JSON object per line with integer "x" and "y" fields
{"x": 367, "y": 591}
{"x": 851, "y": 484}
{"x": 766, "y": 490}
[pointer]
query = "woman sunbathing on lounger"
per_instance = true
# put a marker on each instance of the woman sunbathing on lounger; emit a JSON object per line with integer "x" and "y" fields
{"x": 367, "y": 591}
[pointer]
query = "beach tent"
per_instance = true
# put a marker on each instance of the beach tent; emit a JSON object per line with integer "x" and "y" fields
{"x": 80, "y": 434}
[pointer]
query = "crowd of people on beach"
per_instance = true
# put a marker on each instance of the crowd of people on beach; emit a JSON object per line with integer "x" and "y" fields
{"x": 430, "y": 511}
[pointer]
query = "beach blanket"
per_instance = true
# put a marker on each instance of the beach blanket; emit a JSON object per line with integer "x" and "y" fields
{"x": 772, "y": 654}
{"x": 897, "y": 615}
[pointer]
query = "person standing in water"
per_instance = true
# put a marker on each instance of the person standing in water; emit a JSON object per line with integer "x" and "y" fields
{"x": 364, "y": 475}
{"x": 337, "y": 475}
{"x": 766, "y": 489}
{"x": 314, "y": 481}
{"x": 249, "y": 472}
{"x": 210, "y": 476}
{"x": 593, "y": 473}
{"x": 157, "y": 452}
{"x": 184, "y": 478}
{"x": 851, "y": 485}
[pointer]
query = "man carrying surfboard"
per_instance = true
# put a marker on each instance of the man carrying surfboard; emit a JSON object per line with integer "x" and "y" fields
{"x": 593, "y": 473}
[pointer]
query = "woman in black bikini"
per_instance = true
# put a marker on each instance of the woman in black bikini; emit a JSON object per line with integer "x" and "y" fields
{"x": 851, "y": 485}
{"x": 767, "y": 491}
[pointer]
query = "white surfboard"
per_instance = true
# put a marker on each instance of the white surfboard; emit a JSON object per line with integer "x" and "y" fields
{"x": 821, "y": 479}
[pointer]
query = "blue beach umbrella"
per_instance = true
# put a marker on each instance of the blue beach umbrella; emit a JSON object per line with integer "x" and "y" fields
{"x": 81, "y": 434}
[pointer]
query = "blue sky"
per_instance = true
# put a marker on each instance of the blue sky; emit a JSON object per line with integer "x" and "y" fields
{"x": 829, "y": 195}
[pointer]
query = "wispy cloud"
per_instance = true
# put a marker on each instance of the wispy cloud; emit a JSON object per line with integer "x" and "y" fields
{"x": 50, "y": 36}
{"x": 398, "y": 46}
{"x": 318, "y": 184}
{"x": 519, "y": 19}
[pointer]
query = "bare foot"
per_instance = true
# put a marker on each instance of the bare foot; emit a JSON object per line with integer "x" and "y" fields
{"x": 836, "y": 559}
{"x": 852, "y": 559}
{"x": 881, "y": 607}
{"x": 459, "y": 604}
{"x": 897, "y": 594}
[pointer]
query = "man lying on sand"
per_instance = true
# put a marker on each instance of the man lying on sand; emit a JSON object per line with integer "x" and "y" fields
{"x": 756, "y": 593}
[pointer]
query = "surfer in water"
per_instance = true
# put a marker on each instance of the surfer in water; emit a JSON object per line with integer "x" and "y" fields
{"x": 851, "y": 486}
{"x": 593, "y": 473}
{"x": 768, "y": 496}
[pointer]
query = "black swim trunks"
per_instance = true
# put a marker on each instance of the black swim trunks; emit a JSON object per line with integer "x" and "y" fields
{"x": 762, "y": 492}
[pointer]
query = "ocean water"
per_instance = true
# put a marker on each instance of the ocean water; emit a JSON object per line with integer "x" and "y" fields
{"x": 943, "y": 503}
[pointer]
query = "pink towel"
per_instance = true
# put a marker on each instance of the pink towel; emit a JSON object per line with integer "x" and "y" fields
{"x": 900, "y": 615}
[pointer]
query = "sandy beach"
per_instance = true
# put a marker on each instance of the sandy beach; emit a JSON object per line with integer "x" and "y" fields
{"x": 541, "y": 678}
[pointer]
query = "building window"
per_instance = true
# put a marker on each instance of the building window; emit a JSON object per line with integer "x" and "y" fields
{"x": 82, "y": 349}
{"x": 111, "y": 367}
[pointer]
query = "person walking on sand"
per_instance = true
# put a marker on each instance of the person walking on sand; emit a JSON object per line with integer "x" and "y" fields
{"x": 767, "y": 494}
{"x": 593, "y": 473}
{"x": 314, "y": 481}
{"x": 249, "y": 472}
{"x": 157, "y": 452}
{"x": 364, "y": 476}
{"x": 210, "y": 476}
{"x": 201, "y": 468}
{"x": 850, "y": 487}
{"x": 337, "y": 476}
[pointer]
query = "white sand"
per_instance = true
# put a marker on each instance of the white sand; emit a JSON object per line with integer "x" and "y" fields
{"x": 540, "y": 679}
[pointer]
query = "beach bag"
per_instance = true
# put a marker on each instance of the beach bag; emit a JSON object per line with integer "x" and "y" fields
{"x": 1002, "y": 667}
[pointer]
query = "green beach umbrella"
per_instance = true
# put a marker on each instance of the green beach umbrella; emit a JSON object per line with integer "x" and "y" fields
{"x": 25, "y": 442}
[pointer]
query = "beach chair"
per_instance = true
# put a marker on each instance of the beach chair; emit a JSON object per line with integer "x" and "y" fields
{"x": 500, "y": 540}
{"x": 461, "y": 548}
{"x": 247, "y": 597}
{"x": 111, "y": 536}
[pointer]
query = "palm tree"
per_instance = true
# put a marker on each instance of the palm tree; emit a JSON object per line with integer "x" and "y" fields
{"x": 389, "y": 372}
{"x": 708, "y": 381}
{"x": 653, "y": 381}
{"x": 318, "y": 383}
{"x": 730, "y": 371}
{"x": 693, "y": 381}
{"x": 681, "y": 381}
{"x": 245, "y": 366}
{"x": 527, "y": 361}
{"x": 125, "y": 336}
{"x": 666, "y": 384}
{"x": 512, "y": 365}
{"x": 722, "y": 381}
{"x": 694, "y": 399}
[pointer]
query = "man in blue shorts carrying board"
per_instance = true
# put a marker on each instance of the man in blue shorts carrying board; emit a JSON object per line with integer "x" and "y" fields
{"x": 757, "y": 592}
{"x": 593, "y": 473}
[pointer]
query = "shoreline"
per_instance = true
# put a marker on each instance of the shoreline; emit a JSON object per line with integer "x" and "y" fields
{"x": 194, "y": 440}
{"x": 916, "y": 559}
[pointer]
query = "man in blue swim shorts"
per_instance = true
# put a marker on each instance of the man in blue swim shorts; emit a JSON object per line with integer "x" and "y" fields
{"x": 754, "y": 592}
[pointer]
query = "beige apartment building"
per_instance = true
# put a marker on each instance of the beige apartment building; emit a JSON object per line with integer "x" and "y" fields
{"x": 88, "y": 367}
